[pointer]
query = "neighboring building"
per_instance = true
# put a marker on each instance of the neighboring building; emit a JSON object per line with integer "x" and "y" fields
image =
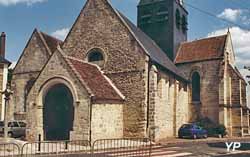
{"x": 218, "y": 88}
{"x": 4, "y": 64}
{"x": 109, "y": 79}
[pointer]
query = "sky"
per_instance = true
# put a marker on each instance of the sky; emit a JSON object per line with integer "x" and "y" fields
{"x": 18, "y": 18}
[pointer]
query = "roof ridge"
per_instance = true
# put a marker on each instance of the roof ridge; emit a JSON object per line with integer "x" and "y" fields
{"x": 59, "y": 40}
{"x": 206, "y": 38}
{"x": 200, "y": 50}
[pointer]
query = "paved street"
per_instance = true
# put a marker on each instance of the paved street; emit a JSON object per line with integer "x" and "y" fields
{"x": 179, "y": 148}
{"x": 200, "y": 150}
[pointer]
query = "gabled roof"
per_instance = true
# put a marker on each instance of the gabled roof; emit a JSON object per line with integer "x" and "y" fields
{"x": 99, "y": 85}
{"x": 48, "y": 41}
{"x": 200, "y": 50}
{"x": 5, "y": 61}
{"x": 51, "y": 41}
{"x": 155, "y": 53}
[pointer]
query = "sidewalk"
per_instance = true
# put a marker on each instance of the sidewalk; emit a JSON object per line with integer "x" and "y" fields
{"x": 11, "y": 140}
{"x": 177, "y": 141}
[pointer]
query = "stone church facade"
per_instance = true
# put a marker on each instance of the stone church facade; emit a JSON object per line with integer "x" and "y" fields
{"x": 112, "y": 79}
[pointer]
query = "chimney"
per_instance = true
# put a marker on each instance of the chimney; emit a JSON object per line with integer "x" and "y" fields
{"x": 2, "y": 44}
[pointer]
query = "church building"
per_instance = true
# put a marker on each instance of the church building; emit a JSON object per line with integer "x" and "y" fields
{"x": 110, "y": 78}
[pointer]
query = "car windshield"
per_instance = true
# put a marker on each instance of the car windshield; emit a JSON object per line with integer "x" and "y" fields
{"x": 187, "y": 126}
{"x": 22, "y": 124}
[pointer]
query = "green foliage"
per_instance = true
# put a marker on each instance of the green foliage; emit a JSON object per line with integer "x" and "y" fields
{"x": 212, "y": 128}
{"x": 10, "y": 74}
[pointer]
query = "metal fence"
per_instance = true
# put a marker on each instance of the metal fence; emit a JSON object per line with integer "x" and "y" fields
{"x": 9, "y": 150}
{"x": 57, "y": 148}
{"x": 126, "y": 147}
{"x": 129, "y": 147}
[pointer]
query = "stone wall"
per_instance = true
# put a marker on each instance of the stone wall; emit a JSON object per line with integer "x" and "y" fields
{"x": 28, "y": 67}
{"x": 209, "y": 75}
{"x": 57, "y": 71}
{"x": 168, "y": 105}
{"x": 125, "y": 62}
{"x": 107, "y": 121}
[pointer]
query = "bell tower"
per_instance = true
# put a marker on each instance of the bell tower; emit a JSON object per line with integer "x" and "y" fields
{"x": 165, "y": 21}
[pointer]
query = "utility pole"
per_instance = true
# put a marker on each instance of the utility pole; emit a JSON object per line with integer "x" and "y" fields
{"x": 7, "y": 93}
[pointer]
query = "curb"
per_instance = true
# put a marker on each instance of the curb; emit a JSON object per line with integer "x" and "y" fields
{"x": 208, "y": 141}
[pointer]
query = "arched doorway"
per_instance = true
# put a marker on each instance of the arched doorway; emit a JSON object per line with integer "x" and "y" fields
{"x": 58, "y": 113}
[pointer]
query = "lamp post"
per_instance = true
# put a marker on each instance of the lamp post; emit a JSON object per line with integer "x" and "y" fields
{"x": 7, "y": 93}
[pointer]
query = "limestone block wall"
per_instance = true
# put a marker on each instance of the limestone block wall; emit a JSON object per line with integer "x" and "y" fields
{"x": 182, "y": 106}
{"x": 19, "y": 83}
{"x": 210, "y": 81}
{"x": 57, "y": 71}
{"x": 237, "y": 122}
{"x": 99, "y": 27}
{"x": 107, "y": 121}
{"x": 168, "y": 104}
{"x": 29, "y": 65}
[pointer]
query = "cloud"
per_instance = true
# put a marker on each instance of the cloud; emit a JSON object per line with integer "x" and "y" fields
{"x": 241, "y": 43}
{"x": 14, "y": 2}
{"x": 241, "y": 40}
{"x": 231, "y": 14}
{"x": 61, "y": 33}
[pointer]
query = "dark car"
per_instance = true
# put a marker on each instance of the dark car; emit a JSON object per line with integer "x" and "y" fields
{"x": 192, "y": 131}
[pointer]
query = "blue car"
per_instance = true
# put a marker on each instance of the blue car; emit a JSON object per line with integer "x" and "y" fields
{"x": 192, "y": 131}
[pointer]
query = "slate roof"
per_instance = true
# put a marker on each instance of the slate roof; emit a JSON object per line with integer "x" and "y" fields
{"x": 200, "y": 50}
{"x": 94, "y": 80}
{"x": 51, "y": 41}
{"x": 5, "y": 61}
{"x": 155, "y": 53}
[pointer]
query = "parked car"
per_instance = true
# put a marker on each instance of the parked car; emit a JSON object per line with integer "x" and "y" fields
{"x": 192, "y": 131}
{"x": 15, "y": 128}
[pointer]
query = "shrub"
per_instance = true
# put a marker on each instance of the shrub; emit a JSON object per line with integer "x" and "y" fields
{"x": 212, "y": 128}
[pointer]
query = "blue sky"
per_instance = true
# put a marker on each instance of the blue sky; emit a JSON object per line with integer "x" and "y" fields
{"x": 18, "y": 18}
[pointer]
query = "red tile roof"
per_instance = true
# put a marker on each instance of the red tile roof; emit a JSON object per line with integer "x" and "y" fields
{"x": 94, "y": 80}
{"x": 204, "y": 49}
{"x": 51, "y": 41}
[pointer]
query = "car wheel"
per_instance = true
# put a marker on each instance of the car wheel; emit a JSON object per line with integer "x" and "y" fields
{"x": 205, "y": 136}
{"x": 10, "y": 134}
{"x": 194, "y": 136}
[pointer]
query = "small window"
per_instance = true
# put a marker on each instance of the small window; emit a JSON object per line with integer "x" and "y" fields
{"x": 196, "y": 87}
{"x": 96, "y": 57}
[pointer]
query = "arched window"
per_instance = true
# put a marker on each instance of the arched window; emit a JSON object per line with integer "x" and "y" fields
{"x": 96, "y": 56}
{"x": 177, "y": 18}
{"x": 184, "y": 24}
{"x": 195, "y": 86}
